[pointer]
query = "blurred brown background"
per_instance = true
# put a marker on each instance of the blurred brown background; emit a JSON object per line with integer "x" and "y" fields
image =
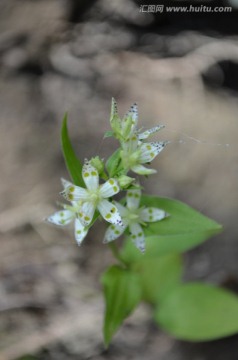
{"x": 58, "y": 56}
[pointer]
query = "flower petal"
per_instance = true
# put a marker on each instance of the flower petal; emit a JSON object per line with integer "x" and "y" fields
{"x": 122, "y": 209}
{"x": 109, "y": 212}
{"x": 150, "y": 150}
{"x": 133, "y": 112}
{"x": 62, "y": 218}
{"x": 149, "y": 132}
{"x": 86, "y": 212}
{"x": 142, "y": 170}
{"x": 113, "y": 232}
{"x": 79, "y": 231}
{"x": 90, "y": 176}
{"x": 133, "y": 198}
{"x": 65, "y": 183}
{"x": 110, "y": 188}
{"x": 137, "y": 236}
{"x": 152, "y": 214}
{"x": 74, "y": 193}
{"x": 130, "y": 145}
{"x": 114, "y": 110}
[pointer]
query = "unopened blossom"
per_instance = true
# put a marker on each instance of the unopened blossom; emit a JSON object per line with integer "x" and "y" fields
{"x": 125, "y": 128}
{"x": 67, "y": 215}
{"x": 135, "y": 153}
{"x": 134, "y": 218}
{"x": 94, "y": 196}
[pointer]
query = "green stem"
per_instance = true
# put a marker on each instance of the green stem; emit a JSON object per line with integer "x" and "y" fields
{"x": 116, "y": 253}
{"x": 104, "y": 176}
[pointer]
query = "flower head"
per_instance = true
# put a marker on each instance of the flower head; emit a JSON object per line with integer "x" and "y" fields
{"x": 135, "y": 153}
{"x": 134, "y": 217}
{"x": 67, "y": 215}
{"x": 94, "y": 196}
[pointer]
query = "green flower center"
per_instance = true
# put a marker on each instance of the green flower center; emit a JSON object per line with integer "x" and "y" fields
{"x": 132, "y": 216}
{"x": 94, "y": 196}
{"x": 130, "y": 159}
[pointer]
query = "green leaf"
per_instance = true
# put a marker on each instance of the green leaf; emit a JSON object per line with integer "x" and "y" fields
{"x": 184, "y": 229}
{"x": 158, "y": 275}
{"x": 108, "y": 134}
{"x": 73, "y": 165}
{"x": 113, "y": 163}
{"x": 199, "y": 312}
{"x": 122, "y": 294}
{"x": 182, "y": 218}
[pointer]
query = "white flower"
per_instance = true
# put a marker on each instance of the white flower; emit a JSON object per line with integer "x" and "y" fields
{"x": 94, "y": 197}
{"x": 135, "y": 153}
{"x": 69, "y": 214}
{"x": 133, "y": 217}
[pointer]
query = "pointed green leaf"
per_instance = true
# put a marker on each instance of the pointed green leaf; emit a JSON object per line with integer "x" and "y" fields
{"x": 199, "y": 312}
{"x": 158, "y": 275}
{"x": 108, "y": 134}
{"x": 122, "y": 294}
{"x": 184, "y": 229}
{"x": 73, "y": 164}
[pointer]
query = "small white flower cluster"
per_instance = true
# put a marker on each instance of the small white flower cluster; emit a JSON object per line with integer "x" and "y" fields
{"x": 134, "y": 151}
{"x": 95, "y": 196}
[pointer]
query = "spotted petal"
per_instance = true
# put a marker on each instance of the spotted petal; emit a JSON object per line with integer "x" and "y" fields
{"x": 109, "y": 212}
{"x": 137, "y": 236}
{"x": 109, "y": 188}
{"x": 133, "y": 198}
{"x": 62, "y": 218}
{"x": 65, "y": 183}
{"x": 114, "y": 110}
{"x": 152, "y": 214}
{"x": 142, "y": 170}
{"x": 74, "y": 193}
{"x": 133, "y": 113}
{"x": 90, "y": 176}
{"x": 79, "y": 231}
{"x": 150, "y": 150}
{"x": 149, "y": 132}
{"x": 86, "y": 212}
{"x": 113, "y": 232}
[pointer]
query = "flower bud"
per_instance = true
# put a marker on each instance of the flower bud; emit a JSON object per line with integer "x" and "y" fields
{"x": 124, "y": 181}
{"x": 98, "y": 164}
